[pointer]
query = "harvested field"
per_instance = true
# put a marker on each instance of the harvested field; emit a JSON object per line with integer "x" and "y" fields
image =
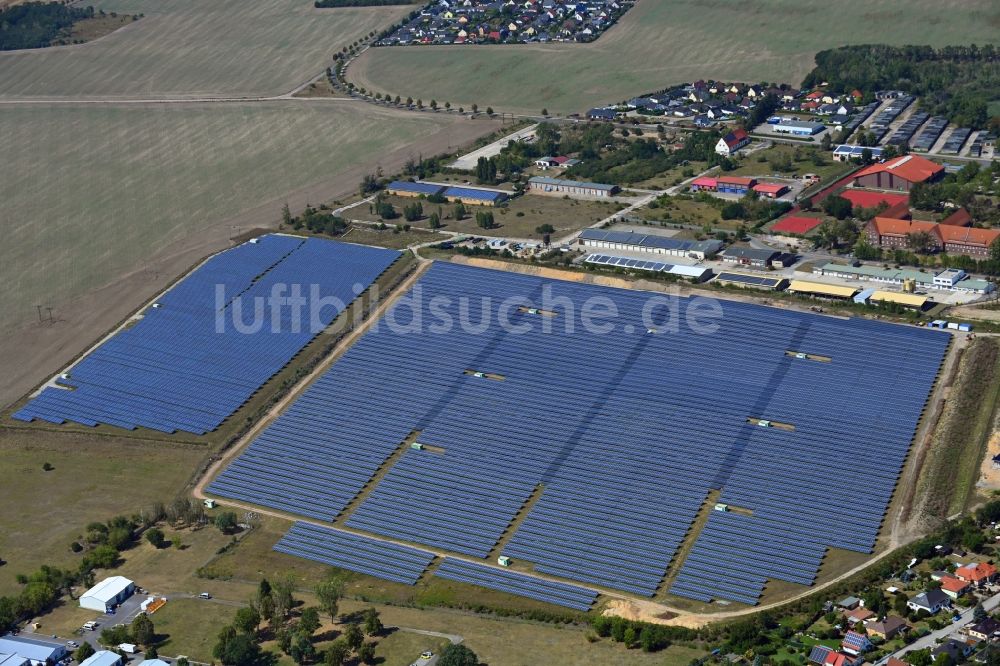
{"x": 108, "y": 204}
{"x": 190, "y": 49}
{"x": 659, "y": 43}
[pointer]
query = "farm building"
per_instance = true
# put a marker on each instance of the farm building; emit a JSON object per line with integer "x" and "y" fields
{"x": 405, "y": 188}
{"x": 694, "y": 273}
{"x": 766, "y": 282}
{"x": 475, "y": 196}
{"x": 844, "y": 152}
{"x": 906, "y": 300}
{"x": 899, "y": 173}
{"x": 103, "y": 658}
{"x": 770, "y": 190}
{"x": 36, "y": 651}
{"x": 750, "y": 256}
{"x": 704, "y": 183}
{"x": 821, "y": 289}
{"x": 794, "y": 224}
{"x": 732, "y": 142}
{"x": 630, "y": 240}
{"x": 735, "y": 184}
{"x": 798, "y": 128}
{"x": 107, "y": 594}
{"x": 544, "y": 185}
{"x": 548, "y": 162}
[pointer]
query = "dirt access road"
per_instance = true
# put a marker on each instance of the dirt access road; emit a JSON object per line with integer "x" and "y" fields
{"x": 34, "y": 351}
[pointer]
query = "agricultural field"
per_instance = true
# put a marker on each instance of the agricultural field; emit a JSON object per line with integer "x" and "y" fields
{"x": 108, "y": 204}
{"x": 661, "y": 43}
{"x": 92, "y": 478}
{"x": 189, "y": 49}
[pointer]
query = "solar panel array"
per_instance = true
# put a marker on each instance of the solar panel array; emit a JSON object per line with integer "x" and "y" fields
{"x": 355, "y": 552}
{"x": 749, "y": 280}
{"x": 553, "y": 592}
{"x": 616, "y": 438}
{"x": 628, "y": 262}
{"x": 186, "y": 365}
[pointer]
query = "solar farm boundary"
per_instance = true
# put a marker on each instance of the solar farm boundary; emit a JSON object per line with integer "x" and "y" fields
{"x": 128, "y": 321}
{"x": 293, "y": 394}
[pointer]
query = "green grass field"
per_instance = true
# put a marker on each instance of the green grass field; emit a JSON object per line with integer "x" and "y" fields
{"x": 189, "y": 49}
{"x": 96, "y": 190}
{"x": 94, "y": 478}
{"x": 660, "y": 43}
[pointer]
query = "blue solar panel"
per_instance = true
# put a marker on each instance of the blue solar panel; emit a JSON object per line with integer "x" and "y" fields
{"x": 355, "y": 552}
{"x": 553, "y": 592}
{"x": 195, "y": 356}
{"x": 618, "y": 436}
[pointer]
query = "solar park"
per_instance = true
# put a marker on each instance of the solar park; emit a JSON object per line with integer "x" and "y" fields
{"x": 174, "y": 371}
{"x": 619, "y": 441}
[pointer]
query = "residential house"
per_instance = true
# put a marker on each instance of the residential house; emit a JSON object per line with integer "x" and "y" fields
{"x": 826, "y": 656}
{"x": 931, "y": 601}
{"x": 888, "y": 628}
{"x": 986, "y": 629}
{"x": 954, "y": 587}
{"x": 732, "y": 142}
{"x": 977, "y": 573}
{"x": 859, "y": 614}
{"x": 956, "y": 649}
{"x": 855, "y": 643}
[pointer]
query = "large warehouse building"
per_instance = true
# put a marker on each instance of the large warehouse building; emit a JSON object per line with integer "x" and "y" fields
{"x": 545, "y": 185}
{"x": 636, "y": 242}
{"x": 107, "y": 594}
{"x": 900, "y": 173}
{"x": 36, "y": 651}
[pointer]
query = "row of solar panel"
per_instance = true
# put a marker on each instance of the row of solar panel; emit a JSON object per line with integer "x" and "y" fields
{"x": 610, "y": 425}
{"x": 532, "y": 587}
{"x": 184, "y": 365}
{"x": 355, "y": 552}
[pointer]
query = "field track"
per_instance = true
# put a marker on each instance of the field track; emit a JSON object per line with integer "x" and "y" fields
{"x": 662, "y": 42}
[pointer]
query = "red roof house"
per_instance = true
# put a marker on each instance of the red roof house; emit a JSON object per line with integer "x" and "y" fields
{"x": 770, "y": 190}
{"x": 704, "y": 183}
{"x": 978, "y": 573}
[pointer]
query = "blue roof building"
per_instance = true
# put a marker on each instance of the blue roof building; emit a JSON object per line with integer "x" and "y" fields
{"x": 406, "y": 188}
{"x": 475, "y": 196}
{"x": 35, "y": 650}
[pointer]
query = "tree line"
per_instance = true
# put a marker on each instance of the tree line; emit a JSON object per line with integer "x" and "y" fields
{"x": 35, "y": 25}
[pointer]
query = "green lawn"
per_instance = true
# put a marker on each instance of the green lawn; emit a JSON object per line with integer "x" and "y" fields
{"x": 94, "y": 478}
{"x": 660, "y": 43}
{"x": 752, "y": 165}
{"x": 191, "y": 627}
{"x": 192, "y": 49}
